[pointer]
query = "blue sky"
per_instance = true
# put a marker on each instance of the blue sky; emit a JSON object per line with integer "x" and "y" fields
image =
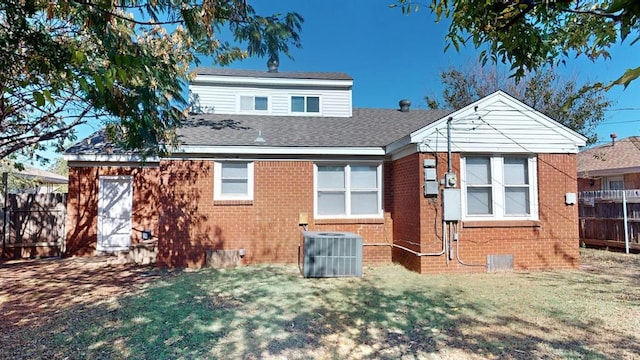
{"x": 392, "y": 56}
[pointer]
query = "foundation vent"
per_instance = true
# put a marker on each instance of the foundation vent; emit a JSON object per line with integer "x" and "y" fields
{"x": 499, "y": 263}
{"x": 332, "y": 254}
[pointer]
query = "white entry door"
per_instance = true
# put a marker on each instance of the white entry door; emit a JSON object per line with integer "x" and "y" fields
{"x": 114, "y": 213}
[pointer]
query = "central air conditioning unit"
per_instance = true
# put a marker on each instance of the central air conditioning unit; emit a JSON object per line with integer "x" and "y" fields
{"x": 332, "y": 254}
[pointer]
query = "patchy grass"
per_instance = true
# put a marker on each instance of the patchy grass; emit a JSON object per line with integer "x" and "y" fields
{"x": 272, "y": 312}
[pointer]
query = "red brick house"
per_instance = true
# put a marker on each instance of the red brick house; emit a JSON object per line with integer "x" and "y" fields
{"x": 611, "y": 166}
{"x": 270, "y": 151}
{"x": 609, "y": 183}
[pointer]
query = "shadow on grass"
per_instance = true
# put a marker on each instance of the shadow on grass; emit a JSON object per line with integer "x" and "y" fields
{"x": 265, "y": 312}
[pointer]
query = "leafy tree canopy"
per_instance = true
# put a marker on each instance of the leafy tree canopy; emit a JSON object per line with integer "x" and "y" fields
{"x": 122, "y": 62}
{"x": 529, "y": 34}
{"x": 578, "y": 107}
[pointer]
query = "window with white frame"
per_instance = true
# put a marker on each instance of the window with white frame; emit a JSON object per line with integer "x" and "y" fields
{"x": 499, "y": 187}
{"x": 348, "y": 190}
{"x": 254, "y": 103}
{"x": 233, "y": 180}
{"x": 614, "y": 183}
{"x": 308, "y": 104}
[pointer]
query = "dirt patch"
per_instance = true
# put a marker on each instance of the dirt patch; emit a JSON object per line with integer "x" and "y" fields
{"x": 31, "y": 290}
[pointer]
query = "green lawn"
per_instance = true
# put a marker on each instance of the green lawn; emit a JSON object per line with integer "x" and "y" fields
{"x": 259, "y": 312}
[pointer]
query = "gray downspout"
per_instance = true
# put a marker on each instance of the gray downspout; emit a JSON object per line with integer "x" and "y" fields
{"x": 449, "y": 167}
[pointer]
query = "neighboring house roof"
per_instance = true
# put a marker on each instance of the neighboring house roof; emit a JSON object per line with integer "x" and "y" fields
{"x": 42, "y": 176}
{"x": 614, "y": 158}
{"x": 266, "y": 74}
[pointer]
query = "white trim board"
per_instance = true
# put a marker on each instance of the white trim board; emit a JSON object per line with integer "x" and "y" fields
{"x": 291, "y": 150}
{"x": 296, "y": 82}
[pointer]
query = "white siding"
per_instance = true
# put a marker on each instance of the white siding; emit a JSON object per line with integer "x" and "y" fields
{"x": 499, "y": 124}
{"x": 215, "y": 99}
{"x": 220, "y": 99}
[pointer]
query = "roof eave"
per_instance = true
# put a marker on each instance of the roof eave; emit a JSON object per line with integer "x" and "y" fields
{"x": 281, "y": 150}
{"x": 240, "y": 80}
{"x": 119, "y": 158}
{"x": 45, "y": 179}
{"x": 584, "y": 174}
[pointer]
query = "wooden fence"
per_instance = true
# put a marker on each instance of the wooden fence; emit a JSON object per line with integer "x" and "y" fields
{"x": 602, "y": 218}
{"x": 33, "y": 225}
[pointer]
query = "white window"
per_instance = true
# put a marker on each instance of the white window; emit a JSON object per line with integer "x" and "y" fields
{"x": 614, "y": 183}
{"x": 233, "y": 180}
{"x": 499, "y": 187}
{"x": 254, "y": 103}
{"x": 309, "y": 104}
{"x": 350, "y": 190}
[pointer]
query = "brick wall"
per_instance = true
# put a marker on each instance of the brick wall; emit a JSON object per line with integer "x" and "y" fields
{"x": 407, "y": 184}
{"x": 267, "y": 227}
{"x": 551, "y": 242}
{"x": 631, "y": 181}
{"x": 585, "y": 184}
{"x": 175, "y": 201}
{"x": 82, "y": 205}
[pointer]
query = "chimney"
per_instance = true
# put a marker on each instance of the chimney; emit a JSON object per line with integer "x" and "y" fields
{"x": 272, "y": 65}
{"x": 404, "y": 105}
{"x": 613, "y": 138}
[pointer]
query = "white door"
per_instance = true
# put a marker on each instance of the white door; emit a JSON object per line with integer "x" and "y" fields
{"x": 114, "y": 213}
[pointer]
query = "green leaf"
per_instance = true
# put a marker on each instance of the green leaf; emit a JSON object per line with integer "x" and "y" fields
{"x": 47, "y": 95}
{"x": 626, "y": 78}
{"x": 84, "y": 86}
{"x": 97, "y": 78}
{"x": 37, "y": 95}
{"x": 77, "y": 56}
{"x": 616, "y": 6}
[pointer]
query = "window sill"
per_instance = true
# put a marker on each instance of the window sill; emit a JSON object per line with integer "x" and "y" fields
{"x": 232, "y": 202}
{"x": 501, "y": 224}
{"x": 338, "y": 221}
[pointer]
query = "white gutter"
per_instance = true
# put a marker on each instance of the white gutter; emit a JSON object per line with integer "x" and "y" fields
{"x": 230, "y": 150}
{"x": 283, "y": 150}
{"x": 111, "y": 158}
{"x": 398, "y": 145}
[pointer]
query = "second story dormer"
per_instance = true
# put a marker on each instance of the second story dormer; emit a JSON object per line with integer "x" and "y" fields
{"x": 230, "y": 91}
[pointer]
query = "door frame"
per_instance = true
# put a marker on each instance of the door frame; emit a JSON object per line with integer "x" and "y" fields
{"x": 101, "y": 205}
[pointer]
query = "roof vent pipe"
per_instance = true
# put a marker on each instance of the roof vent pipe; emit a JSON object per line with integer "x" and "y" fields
{"x": 272, "y": 65}
{"x": 404, "y": 105}
{"x": 613, "y": 138}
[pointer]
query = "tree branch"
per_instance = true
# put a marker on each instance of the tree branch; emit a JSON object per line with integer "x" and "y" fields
{"x": 29, "y": 140}
{"x": 616, "y": 18}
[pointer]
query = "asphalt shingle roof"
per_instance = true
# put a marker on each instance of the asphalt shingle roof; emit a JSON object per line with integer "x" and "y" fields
{"x": 624, "y": 153}
{"x": 266, "y": 74}
{"x": 96, "y": 144}
{"x": 42, "y": 176}
{"x": 366, "y": 128}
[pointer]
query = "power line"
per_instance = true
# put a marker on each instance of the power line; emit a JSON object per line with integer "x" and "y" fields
{"x": 624, "y": 109}
{"x": 619, "y": 122}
